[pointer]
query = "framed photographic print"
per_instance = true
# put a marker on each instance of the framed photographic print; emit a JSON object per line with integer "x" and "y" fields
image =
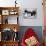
{"x": 30, "y": 14}
{"x": 5, "y": 12}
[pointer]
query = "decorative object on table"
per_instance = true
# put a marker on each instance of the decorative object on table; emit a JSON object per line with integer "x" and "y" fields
{"x": 30, "y": 38}
{"x": 28, "y": 14}
{"x": 13, "y": 12}
{"x": 6, "y": 21}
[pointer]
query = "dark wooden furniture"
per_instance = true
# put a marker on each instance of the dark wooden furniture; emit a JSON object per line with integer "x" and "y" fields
{"x": 8, "y": 11}
{"x": 4, "y": 13}
{"x": 10, "y": 43}
{"x": 0, "y": 43}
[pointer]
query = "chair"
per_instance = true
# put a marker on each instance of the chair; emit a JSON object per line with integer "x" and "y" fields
{"x": 29, "y": 33}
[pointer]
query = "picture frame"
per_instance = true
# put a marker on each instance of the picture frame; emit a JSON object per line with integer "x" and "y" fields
{"x": 30, "y": 14}
{"x": 5, "y": 12}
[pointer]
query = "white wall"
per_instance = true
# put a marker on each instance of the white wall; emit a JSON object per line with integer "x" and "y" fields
{"x": 29, "y": 4}
{"x": 7, "y": 3}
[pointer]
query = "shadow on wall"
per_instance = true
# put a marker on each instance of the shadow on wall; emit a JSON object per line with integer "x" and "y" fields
{"x": 37, "y": 29}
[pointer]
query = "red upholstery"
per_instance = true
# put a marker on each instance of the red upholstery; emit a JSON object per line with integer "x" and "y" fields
{"x": 29, "y": 33}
